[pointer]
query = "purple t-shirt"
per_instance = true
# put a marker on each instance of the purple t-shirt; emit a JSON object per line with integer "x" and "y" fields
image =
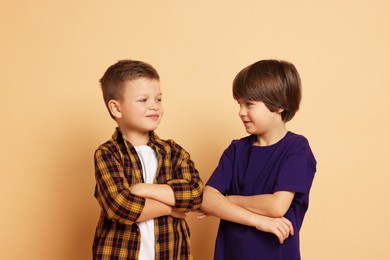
{"x": 245, "y": 169}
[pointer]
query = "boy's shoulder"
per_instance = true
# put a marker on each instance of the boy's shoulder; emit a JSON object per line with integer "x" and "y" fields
{"x": 240, "y": 145}
{"x": 292, "y": 142}
{"x": 108, "y": 145}
{"x": 113, "y": 145}
{"x": 297, "y": 144}
{"x": 296, "y": 140}
{"x": 292, "y": 137}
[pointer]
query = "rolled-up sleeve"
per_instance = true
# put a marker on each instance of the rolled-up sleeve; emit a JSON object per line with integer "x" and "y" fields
{"x": 187, "y": 184}
{"x": 113, "y": 190}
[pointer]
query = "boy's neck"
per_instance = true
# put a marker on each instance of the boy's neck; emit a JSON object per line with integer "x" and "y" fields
{"x": 136, "y": 138}
{"x": 272, "y": 137}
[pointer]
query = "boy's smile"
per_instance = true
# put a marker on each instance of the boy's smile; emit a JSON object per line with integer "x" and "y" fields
{"x": 247, "y": 123}
{"x": 153, "y": 116}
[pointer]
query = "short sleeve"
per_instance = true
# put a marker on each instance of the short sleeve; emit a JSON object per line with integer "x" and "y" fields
{"x": 222, "y": 175}
{"x": 295, "y": 175}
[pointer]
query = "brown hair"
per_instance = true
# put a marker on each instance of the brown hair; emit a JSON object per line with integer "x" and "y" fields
{"x": 274, "y": 82}
{"x": 112, "y": 82}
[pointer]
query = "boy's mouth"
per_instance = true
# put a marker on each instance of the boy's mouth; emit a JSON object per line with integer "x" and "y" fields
{"x": 153, "y": 116}
{"x": 247, "y": 122}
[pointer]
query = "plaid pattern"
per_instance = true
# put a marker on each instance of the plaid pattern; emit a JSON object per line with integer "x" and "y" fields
{"x": 117, "y": 167}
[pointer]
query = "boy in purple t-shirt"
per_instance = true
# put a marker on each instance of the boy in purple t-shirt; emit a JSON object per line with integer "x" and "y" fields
{"x": 261, "y": 186}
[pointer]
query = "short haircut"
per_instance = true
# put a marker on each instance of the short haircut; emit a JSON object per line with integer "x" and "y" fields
{"x": 115, "y": 77}
{"x": 276, "y": 83}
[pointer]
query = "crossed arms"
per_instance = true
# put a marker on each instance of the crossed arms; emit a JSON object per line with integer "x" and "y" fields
{"x": 159, "y": 201}
{"x": 264, "y": 212}
{"x": 128, "y": 203}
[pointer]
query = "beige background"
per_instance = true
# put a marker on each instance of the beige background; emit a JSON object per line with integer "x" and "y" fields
{"x": 53, "y": 117}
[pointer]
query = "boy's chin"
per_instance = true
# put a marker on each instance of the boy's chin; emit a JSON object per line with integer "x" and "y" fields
{"x": 152, "y": 128}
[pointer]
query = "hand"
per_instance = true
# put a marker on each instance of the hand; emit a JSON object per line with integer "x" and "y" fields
{"x": 281, "y": 227}
{"x": 202, "y": 215}
{"x": 178, "y": 214}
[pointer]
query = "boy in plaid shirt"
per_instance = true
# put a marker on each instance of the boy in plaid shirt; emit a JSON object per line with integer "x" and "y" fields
{"x": 144, "y": 185}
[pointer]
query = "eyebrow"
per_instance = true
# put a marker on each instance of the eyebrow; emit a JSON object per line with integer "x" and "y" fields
{"x": 147, "y": 94}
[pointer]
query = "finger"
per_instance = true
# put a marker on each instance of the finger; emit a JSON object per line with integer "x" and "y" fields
{"x": 287, "y": 229}
{"x": 283, "y": 230}
{"x": 279, "y": 231}
{"x": 290, "y": 226}
{"x": 202, "y": 216}
{"x": 280, "y": 236}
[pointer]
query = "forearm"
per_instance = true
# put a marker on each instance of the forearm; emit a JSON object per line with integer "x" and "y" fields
{"x": 154, "y": 209}
{"x": 160, "y": 192}
{"x": 217, "y": 205}
{"x": 271, "y": 205}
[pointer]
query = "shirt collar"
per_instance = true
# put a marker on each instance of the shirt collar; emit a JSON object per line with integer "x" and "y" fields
{"x": 154, "y": 141}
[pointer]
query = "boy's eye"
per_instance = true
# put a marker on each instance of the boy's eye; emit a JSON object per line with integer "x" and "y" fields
{"x": 142, "y": 100}
{"x": 246, "y": 103}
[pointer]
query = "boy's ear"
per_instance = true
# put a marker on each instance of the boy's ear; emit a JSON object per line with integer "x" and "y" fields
{"x": 280, "y": 110}
{"x": 115, "y": 108}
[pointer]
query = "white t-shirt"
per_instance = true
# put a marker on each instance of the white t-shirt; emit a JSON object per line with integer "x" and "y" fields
{"x": 149, "y": 168}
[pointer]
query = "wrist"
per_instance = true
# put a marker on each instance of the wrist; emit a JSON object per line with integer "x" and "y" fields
{"x": 253, "y": 220}
{"x": 257, "y": 221}
{"x": 170, "y": 210}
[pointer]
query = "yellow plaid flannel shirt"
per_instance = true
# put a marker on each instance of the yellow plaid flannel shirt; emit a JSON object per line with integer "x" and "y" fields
{"x": 117, "y": 168}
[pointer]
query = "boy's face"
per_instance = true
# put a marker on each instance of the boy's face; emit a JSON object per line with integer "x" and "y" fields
{"x": 141, "y": 109}
{"x": 257, "y": 118}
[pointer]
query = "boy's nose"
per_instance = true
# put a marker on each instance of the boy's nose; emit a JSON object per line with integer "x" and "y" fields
{"x": 154, "y": 106}
{"x": 241, "y": 112}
